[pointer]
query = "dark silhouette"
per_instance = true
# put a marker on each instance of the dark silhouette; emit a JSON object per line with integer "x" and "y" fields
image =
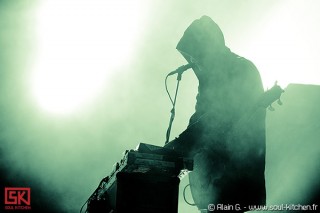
{"x": 226, "y": 134}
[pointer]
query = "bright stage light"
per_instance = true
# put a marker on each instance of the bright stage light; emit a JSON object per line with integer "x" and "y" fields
{"x": 80, "y": 43}
{"x": 284, "y": 45}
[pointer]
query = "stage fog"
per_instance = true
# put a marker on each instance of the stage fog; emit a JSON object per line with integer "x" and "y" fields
{"x": 83, "y": 81}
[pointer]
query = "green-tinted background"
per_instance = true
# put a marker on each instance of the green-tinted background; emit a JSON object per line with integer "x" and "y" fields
{"x": 62, "y": 157}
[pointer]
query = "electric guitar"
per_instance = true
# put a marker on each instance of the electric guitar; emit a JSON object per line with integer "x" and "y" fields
{"x": 265, "y": 101}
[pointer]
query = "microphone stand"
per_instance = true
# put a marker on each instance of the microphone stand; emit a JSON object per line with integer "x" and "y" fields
{"x": 173, "y": 110}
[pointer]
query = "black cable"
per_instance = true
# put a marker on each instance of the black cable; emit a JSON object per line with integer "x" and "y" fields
{"x": 166, "y": 86}
{"x": 95, "y": 191}
{"x": 84, "y": 205}
{"x": 184, "y": 196}
{"x": 172, "y": 111}
{"x": 173, "y": 105}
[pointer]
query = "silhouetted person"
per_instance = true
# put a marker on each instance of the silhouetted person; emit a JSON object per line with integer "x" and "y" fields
{"x": 226, "y": 134}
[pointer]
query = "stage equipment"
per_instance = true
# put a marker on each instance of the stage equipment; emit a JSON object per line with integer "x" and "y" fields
{"x": 145, "y": 180}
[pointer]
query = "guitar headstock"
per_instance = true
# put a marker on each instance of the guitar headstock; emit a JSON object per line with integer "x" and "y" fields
{"x": 271, "y": 96}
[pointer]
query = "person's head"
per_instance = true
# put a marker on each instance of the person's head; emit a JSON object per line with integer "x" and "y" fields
{"x": 203, "y": 38}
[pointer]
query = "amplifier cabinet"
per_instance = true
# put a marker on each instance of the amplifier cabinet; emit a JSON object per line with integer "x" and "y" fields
{"x": 144, "y": 193}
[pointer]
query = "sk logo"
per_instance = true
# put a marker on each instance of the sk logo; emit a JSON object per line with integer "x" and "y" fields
{"x": 17, "y": 196}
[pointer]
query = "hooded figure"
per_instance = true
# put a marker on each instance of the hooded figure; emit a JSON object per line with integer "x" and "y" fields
{"x": 226, "y": 134}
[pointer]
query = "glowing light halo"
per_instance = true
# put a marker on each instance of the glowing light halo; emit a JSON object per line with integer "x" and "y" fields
{"x": 80, "y": 42}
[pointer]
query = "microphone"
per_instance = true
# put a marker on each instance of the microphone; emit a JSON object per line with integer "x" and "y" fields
{"x": 181, "y": 69}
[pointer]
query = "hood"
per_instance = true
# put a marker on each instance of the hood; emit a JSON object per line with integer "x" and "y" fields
{"x": 203, "y": 38}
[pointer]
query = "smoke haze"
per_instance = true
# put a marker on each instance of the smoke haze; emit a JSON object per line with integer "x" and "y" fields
{"x": 63, "y": 157}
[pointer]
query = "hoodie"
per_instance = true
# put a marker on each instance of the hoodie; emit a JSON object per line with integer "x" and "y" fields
{"x": 226, "y": 134}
